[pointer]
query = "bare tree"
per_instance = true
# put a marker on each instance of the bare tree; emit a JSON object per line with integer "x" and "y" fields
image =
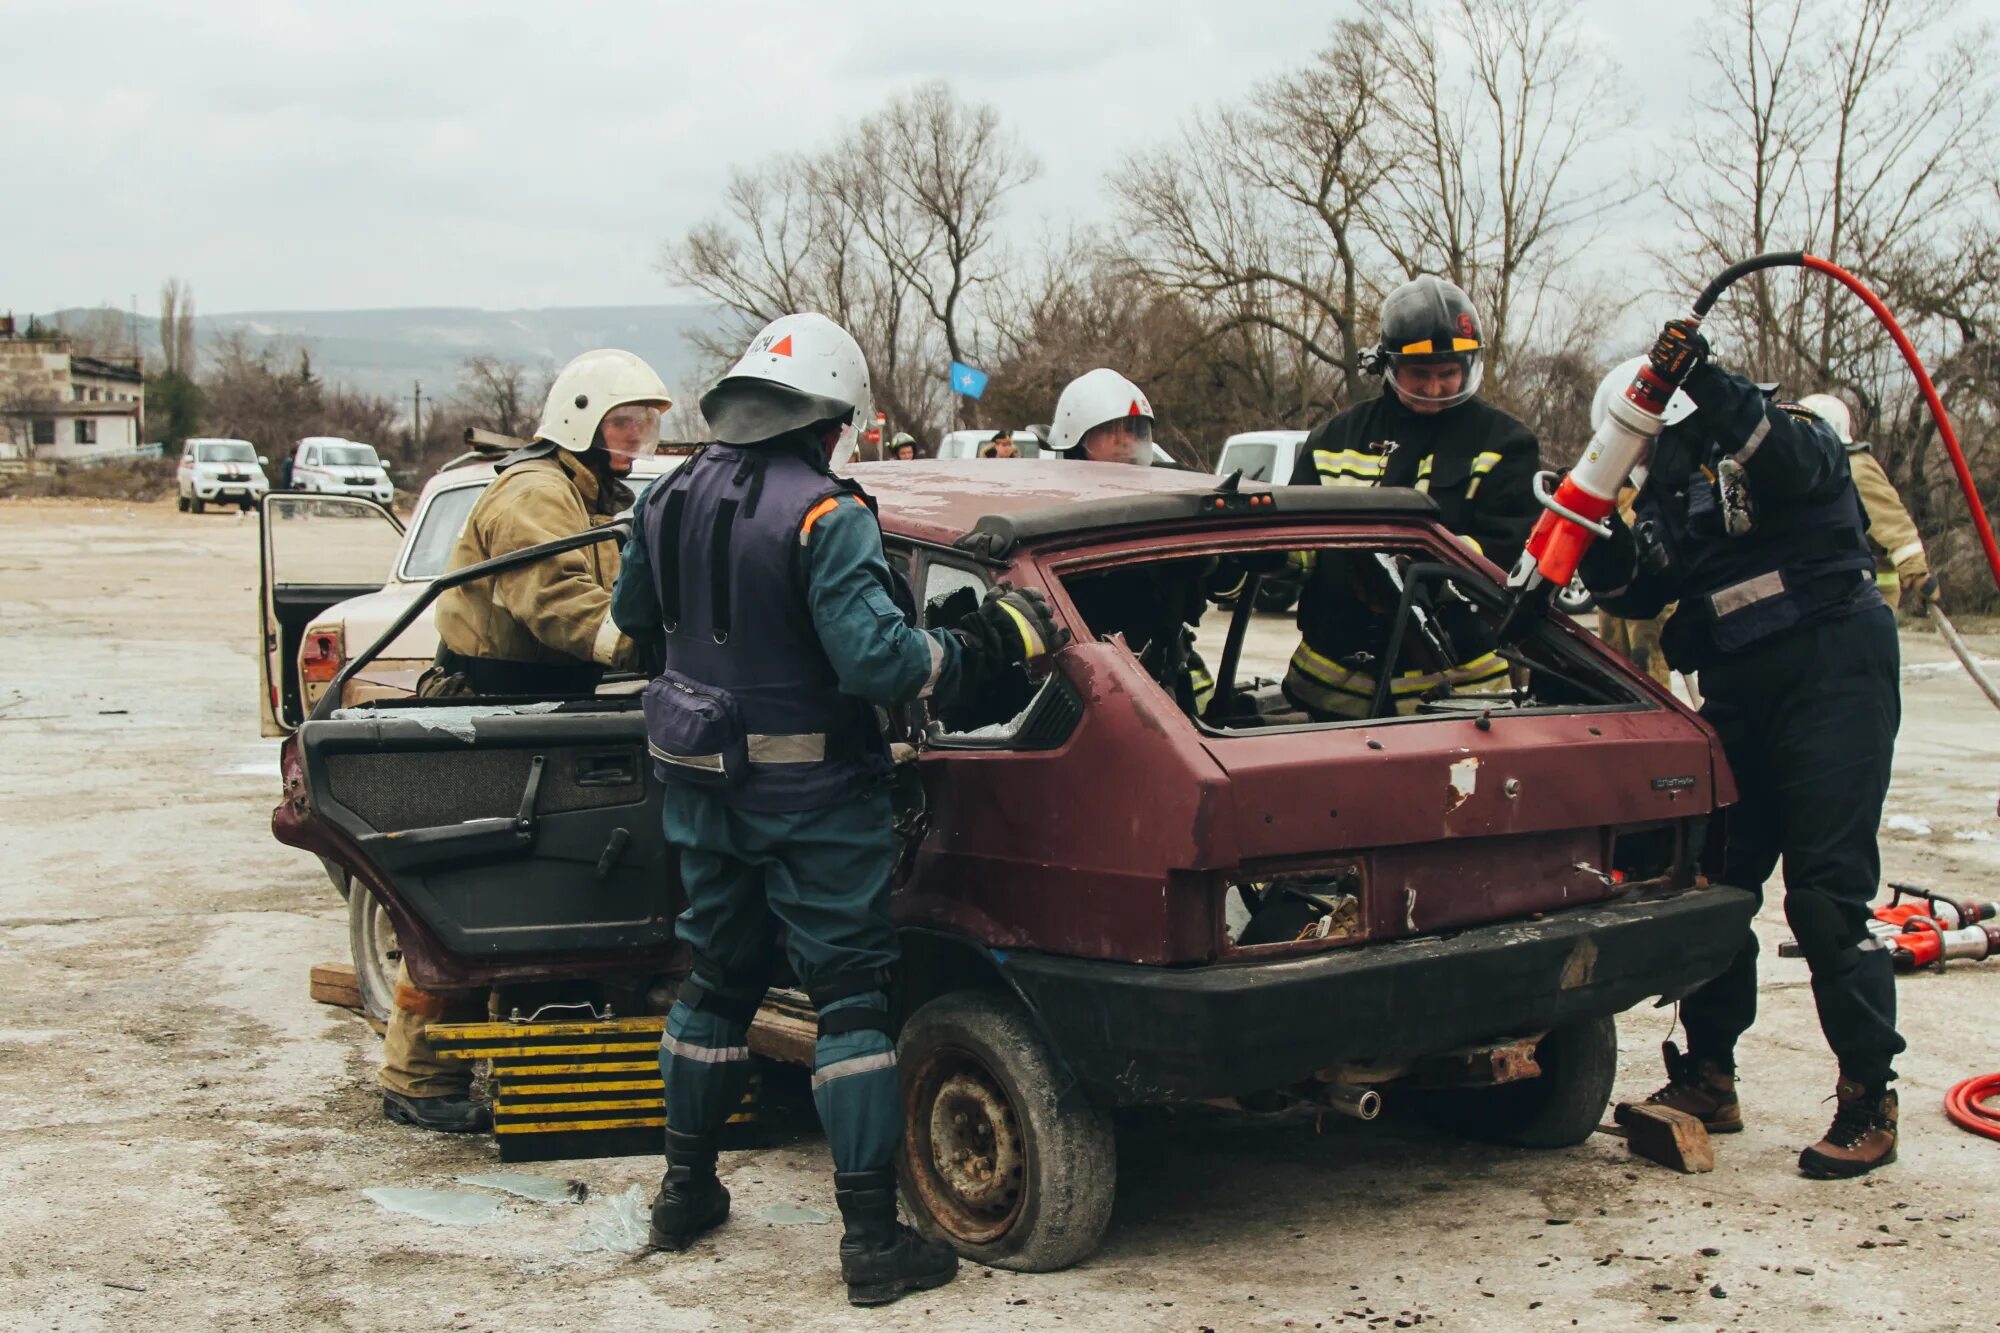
{"x": 497, "y": 393}
{"x": 1488, "y": 105}
{"x": 892, "y": 232}
{"x": 177, "y": 327}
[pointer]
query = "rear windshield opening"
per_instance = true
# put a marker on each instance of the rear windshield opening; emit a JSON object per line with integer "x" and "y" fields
{"x": 1316, "y": 631}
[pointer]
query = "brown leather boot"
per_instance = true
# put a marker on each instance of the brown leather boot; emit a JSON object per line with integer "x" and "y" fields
{"x": 1862, "y": 1138}
{"x": 1701, "y": 1088}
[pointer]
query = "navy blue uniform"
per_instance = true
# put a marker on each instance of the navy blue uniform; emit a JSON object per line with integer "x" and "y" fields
{"x": 767, "y": 581}
{"x": 1797, "y": 657}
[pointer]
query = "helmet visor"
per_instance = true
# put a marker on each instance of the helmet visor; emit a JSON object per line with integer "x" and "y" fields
{"x": 632, "y": 431}
{"x": 1432, "y": 383}
{"x": 1120, "y": 440}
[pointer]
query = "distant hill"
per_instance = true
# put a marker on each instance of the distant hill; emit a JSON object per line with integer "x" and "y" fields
{"x": 384, "y": 351}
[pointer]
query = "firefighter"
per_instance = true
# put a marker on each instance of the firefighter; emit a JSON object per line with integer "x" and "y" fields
{"x": 1426, "y": 430}
{"x": 1902, "y": 570}
{"x": 1429, "y": 430}
{"x": 1103, "y": 417}
{"x": 759, "y": 577}
{"x": 541, "y": 629}
{"x": 1747, "y": 515}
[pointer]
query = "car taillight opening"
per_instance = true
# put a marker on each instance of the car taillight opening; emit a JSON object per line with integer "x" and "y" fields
{"x": 322, "y": 654}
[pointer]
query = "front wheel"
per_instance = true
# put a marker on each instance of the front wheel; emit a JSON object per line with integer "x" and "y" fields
{"x": 200, "y": 505}
{"x": 1575, "y": 599}
{"x": 371, "y": 939}
{"x": 994, "y": 1161}
{"x": 181, "y": 503}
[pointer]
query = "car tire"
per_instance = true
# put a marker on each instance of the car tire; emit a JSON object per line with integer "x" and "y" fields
{"x": 371, "y": 940}
{"x": 181, "y": 503}
{"x": 1275, "y": 596}
{"x": 1558, "y": 1110}
{"x": 200, "y": 505}
{"x": 1001, "y": 1156}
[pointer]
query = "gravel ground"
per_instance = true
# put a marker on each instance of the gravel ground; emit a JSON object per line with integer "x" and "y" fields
{"x": 187, "y": 1137}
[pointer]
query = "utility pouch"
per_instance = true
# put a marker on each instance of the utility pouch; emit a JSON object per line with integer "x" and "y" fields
{"x": 695, "y": 732}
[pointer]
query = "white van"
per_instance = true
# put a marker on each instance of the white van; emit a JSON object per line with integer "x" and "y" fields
{"x": 329, "y": 465}
{"x": 968, "y": 443}
{"x": 1263, "y": 455}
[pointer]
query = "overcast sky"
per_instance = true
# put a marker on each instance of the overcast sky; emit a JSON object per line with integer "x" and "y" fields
{"x": 357, "y": 155}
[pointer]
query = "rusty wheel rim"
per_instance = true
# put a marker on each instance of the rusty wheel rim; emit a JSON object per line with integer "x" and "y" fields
{"x": 968, "y": 1150}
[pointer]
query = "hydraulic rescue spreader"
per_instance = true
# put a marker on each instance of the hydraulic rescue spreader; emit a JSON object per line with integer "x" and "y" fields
{"x": 1578, "y": 504}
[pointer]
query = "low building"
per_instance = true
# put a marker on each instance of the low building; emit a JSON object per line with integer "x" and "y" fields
{"x": 56, "y": 403}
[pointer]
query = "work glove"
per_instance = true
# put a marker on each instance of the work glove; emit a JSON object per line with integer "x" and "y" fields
{"x": 1608, "y": 565}
{"x": 1012, "y": 625}
{"x": 1678, "y": 350}
{"x": 1920, "y": 587}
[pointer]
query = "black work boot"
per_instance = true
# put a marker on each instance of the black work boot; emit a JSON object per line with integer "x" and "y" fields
{"x": 1700, "y": 1087}
{"x": 880, "y": 1257}
{"x": 1863, "y": 1135}
{"x": 691, "y": 1200}
{"x": 453, "y": 1114}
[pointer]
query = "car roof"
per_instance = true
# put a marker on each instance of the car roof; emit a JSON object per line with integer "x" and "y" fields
{"x": 479, "y": 473}
{"x": 1266, "y": 437}
{"x": 216, "y": 439}
{"x": 946, "y": 502}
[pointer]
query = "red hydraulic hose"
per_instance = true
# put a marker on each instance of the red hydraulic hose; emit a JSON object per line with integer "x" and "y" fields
{"x": 1800, "y": 259}
{"x": 1966, "y": 1105}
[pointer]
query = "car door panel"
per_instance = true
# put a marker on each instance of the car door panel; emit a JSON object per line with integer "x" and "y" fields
{"x": 314, "y": 552}
{"x": 509, "y": 836}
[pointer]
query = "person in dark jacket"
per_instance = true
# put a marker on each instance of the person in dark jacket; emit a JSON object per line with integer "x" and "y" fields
{"x": 1747, "y": 515}
{"x": 1428, "y": 428}
{"x": 757, "y": 577}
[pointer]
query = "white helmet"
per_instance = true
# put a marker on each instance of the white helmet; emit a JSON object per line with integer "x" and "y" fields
{"x": 1619, "y": 378}
{"x": 592, "y": 385}
{"x": 1833, "y": 412}
{"x": 798, "y": 370}
{"x": 1094, "y": 398}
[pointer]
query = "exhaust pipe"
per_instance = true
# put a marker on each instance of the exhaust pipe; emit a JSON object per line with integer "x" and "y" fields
{"x": 1360, "y": 1103}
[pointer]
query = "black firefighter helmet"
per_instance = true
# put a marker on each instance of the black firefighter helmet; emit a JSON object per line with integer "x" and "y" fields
{"x": 1428, "y": 321}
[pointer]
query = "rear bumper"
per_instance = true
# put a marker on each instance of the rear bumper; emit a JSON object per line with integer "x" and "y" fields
{"x": 1135, "y": 1034}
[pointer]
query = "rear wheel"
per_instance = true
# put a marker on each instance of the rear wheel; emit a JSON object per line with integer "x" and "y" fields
{"x": 993, "y": 1160}
{"x": 1558, "y": 1110}
{"x": 1575, "y": 599}
{"x": 200, "y": 505}
{"x": 181, "y": 503}
{"x": 371, "y": 939}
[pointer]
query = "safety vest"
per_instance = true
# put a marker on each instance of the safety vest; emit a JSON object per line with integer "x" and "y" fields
{"x": 726, "y": 537}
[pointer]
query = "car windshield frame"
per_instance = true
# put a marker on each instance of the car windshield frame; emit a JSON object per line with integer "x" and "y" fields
{"x": 1062, "y": 562}
{"x": 238, "y": 452}
{"x": 334, "y": 455}
{"x": 435, "y": 506}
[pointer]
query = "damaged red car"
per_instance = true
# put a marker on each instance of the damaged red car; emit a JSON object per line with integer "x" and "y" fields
{"x": 1127, "y": 891}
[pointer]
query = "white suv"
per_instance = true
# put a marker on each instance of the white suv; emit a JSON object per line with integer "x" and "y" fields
{"x": 220, "y": 472}
{"x": 329, "y": 465}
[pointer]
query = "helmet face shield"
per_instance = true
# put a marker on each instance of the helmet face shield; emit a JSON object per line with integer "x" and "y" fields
{"x": 1126, "y": 439}
{"x": 1431, "y": 383}
{"x": 629, "y": 432}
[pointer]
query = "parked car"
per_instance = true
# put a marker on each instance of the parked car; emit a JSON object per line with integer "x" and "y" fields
{"x": 214, "y": 471}
{"x": 1241, "y": 904}
{"x": 339, "y": 570}
{"x": 329, "y": 465}
{"x": 1261, "y": 455}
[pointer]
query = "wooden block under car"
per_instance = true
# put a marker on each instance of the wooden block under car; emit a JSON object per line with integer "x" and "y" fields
{"x": 1661, "y": 1134}
{"x": 334, "y": 983}
{"x": 589, "y": 1089}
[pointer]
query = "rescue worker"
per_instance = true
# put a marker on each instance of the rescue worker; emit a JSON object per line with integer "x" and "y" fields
{"x": 541, "y": 629}
{"x": 1426, "y": 430}
{"x": 1902, "y": 570}
{"x": 759, "y": 576}
{"x": 1747, "y": 515}
{"x": 1103, "y": 417}
{"x": 1637, "y": 641}
{"x": 1429, "y": 430}
{"x": 904, "y": 448}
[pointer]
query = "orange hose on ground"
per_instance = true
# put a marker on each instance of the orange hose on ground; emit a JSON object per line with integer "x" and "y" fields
{"x": 1966, "y": 1105}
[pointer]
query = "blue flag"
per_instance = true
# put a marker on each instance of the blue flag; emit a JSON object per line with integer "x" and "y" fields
{"x": 966, "y": 380}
